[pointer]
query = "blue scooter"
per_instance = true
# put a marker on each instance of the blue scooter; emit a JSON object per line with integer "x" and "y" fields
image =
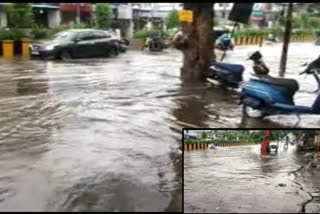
{"x": 225, "y": 74}
{"x": 266, "y": 95}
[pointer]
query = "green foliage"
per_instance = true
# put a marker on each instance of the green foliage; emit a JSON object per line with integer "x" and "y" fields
{"x": 144, "y": 33}
{"x": 256, "y": 136}
{"x": 13, "y": 34}
{"x": 39, "y": 32}
{"x": 19, "y": 15}
{"x": 252, "y": 32}
{"x": 230, "y": 135}
{"x": 172, "y": 20}
{"x": 203, "y": 135}
{"x": 103, "y": 15}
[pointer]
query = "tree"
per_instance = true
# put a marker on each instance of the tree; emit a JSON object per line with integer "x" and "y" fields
{"x": 204, "y": 135}
{"x": 172, "y": 21}
{"x": 196, "y": 42}
{"x": 256, "y": 136}
{"x": 20, "y": 15}
{"x": 103, "y": 15}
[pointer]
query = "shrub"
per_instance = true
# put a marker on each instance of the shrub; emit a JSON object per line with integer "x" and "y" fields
{"x": 13, "y": 34}
{"x": 39, "y": 32}
{"x": 144, "y": 33}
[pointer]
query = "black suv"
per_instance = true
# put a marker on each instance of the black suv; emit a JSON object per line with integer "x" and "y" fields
{"x": 76, "y": 43}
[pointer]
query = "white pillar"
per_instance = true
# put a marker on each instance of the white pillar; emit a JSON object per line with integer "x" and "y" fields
{"x": 130, "y": 29}
{"x": 54, "y": 18}
{"x": 3, "y": 19}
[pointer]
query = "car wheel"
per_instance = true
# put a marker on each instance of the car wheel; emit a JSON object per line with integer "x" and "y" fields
{"x": 126, "y": 42}
{"x": 113, "y": 52}
{"x": 65, "y": 55}
{"x": 253, "y": 113}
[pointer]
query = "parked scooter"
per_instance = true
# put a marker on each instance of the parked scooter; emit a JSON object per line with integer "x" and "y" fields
{"x": 266, "y": 95}
{"x": 226, "y": 74}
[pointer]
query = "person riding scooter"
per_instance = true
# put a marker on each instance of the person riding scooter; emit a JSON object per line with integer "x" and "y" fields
{"x": 155, "y": 42}
{"x": 224, "y": 42}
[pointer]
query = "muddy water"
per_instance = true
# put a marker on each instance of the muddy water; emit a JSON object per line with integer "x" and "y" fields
{"x": 90, "y": 136}
{"x": 105, "y": 134}
{"x": 239, "y": 179}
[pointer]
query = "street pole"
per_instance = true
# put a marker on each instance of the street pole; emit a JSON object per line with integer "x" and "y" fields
{"x": 286, "y": 41}
{"x": 265, "y": 142}
{"x": 78, "y": 13}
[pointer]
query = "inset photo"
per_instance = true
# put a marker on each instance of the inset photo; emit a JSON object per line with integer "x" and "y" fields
{"x": 251, "y": 171}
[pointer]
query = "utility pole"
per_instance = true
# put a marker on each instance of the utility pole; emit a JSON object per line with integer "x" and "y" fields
{"x": 286, "y": 41}
{"x": 78, "y": 13}
{"x": 265, "y": 142}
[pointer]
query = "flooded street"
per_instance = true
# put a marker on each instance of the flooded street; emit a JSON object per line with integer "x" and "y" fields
{"x": 105, "y": 134}
{"x": 95, "y": 136}
{"x": 240, "y": 180}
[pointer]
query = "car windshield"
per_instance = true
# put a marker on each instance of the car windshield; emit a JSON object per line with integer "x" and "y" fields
{"x": 63, "y": 36}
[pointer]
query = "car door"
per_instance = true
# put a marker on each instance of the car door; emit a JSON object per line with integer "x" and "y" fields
{"x": 102, "y": 42}
{"x": 84, "y": 46}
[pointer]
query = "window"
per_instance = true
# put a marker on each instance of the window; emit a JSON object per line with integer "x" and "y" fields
{"x": 85, "y": 36}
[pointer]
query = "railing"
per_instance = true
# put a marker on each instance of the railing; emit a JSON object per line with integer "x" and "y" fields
{"x": 196, "y": 146}
{"x": 259, "y": 40}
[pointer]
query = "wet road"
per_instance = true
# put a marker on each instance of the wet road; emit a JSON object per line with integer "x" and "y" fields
{"x": 239, "y": 179}
{"x": 95, "y": 136}
{"x": 105, "y": 134}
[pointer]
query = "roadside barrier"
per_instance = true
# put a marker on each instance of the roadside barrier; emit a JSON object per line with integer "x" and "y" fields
{"x": 25, "y": 48}
{"x": 259, "y": 40}
{"x": 197, "y": 146}
{"x": 7, "y": 48}
{"x": 10, "y": 48}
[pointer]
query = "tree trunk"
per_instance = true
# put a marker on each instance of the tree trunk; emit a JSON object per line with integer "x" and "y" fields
{"x": 286, "y": 41}
{"x": 196, "y": 43}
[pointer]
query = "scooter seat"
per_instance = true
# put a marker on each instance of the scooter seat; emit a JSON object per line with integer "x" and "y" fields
{"x": 231, "y": 67}
{"x": 291, "y": 85}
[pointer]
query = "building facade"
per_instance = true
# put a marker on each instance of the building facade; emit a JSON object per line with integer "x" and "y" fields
{"x": 47, "y": 14}
{"x": 75, "y": 13}
{"x": 123, "y": 18}
{"x": 151, "y": 15}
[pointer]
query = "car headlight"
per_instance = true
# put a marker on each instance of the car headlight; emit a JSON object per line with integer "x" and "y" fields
{"x": 50, "y": 47}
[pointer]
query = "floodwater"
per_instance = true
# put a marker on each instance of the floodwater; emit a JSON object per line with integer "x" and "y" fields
{"x": 89, "y": 135}
{"x": 105, "y": 134}
{"x": 241, "y": 180}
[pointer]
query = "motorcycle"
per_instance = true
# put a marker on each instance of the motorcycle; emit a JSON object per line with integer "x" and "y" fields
{"x": 226, "y": 74}
{"x": 265, "y": 95}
